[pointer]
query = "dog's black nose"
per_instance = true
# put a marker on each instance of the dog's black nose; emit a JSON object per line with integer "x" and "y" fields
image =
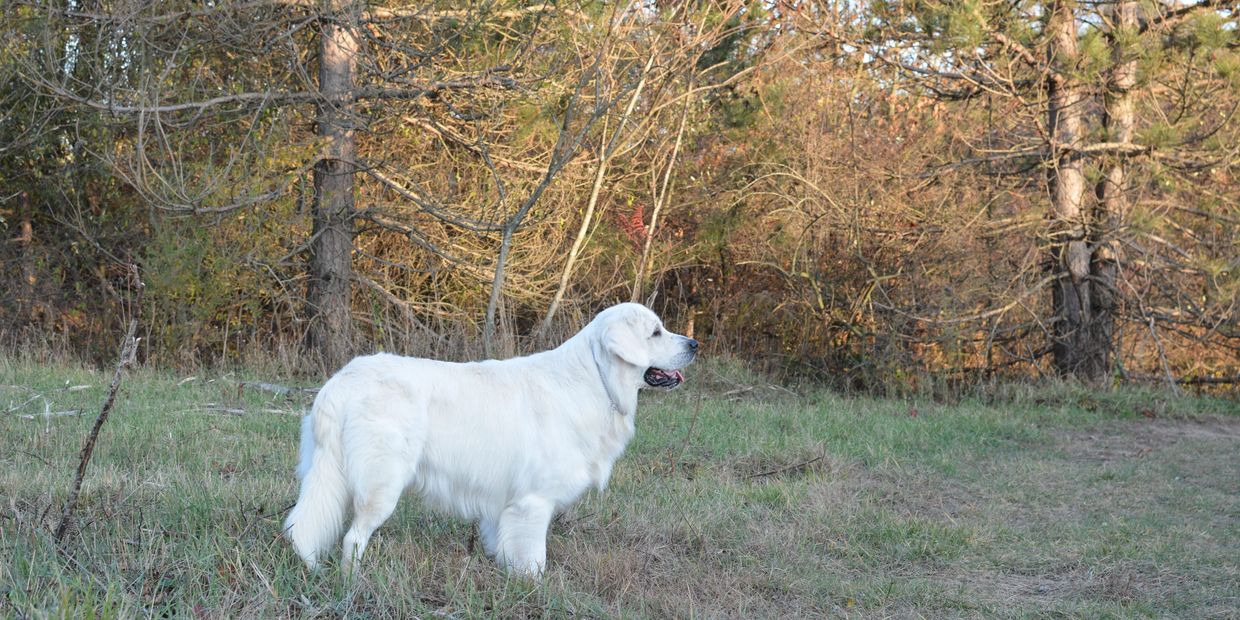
{"x": 693, "y": 345}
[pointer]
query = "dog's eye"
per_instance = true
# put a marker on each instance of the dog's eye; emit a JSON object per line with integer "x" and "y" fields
{"x": 657, "y": 332}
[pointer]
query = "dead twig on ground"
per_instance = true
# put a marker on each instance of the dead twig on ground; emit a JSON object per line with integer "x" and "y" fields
{"x": 277, "y": 389}
{"x": 128, "y": 355}
{"x": 797, "y": 467}
{"x": 737, "y": 392}
{"x": 16, "y": 407}
{"x": 129, "y": 350}
{"x": 51, "y": 414}
{"x": 237, "y": 411}
{"x": 684, "y": 447}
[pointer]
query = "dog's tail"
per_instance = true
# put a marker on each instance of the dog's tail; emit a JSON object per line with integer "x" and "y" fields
{"x": 316, "y": 521}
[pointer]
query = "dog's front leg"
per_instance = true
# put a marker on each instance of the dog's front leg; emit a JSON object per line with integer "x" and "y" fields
{"x": 523, "y": 535}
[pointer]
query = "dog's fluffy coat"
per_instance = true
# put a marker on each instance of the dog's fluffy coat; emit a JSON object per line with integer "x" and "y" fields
{"x": 507, "y": 443}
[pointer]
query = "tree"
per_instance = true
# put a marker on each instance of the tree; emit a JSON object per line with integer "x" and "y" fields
{"x": 191, "y": 70}
{"x": 875, "y": 193}
{"x": 49, "y": 197}
{"x": 1075, "y": 311}
{"x": 677, "y": 61}
{"x": 1053, "y": 59}
{"x": 331, "y": 245}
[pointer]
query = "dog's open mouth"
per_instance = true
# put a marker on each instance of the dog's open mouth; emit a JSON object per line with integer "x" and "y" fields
{"x": 666, "y": 379}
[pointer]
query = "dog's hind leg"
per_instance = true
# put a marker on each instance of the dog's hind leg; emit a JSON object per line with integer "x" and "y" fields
{"x": 371, "y": 507}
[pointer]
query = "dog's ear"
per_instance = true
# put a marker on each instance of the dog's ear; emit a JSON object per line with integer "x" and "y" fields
{"x": 613, "y": 350}
{"x": 623, "y": 340}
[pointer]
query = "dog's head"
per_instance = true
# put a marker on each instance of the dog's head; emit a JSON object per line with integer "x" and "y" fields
{"x": 630, "y": 338}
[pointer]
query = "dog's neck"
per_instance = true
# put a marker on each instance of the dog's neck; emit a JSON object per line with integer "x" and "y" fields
{"x": 617, "y": 403}
{"x": 626, "y": 378}
{"x": 611, "y": 403}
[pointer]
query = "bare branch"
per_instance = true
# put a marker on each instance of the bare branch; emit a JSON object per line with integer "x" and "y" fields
{"x": 129, "y": 349}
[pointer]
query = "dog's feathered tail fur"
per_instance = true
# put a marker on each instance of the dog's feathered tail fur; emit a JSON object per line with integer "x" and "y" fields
{"x": 317, "y": 520}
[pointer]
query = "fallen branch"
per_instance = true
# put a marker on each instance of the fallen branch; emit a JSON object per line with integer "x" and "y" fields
{"x": 51, "y": 414}
{"x": 237, "y": 411}
{"x": 16, "y": 407}
{"x": 1149, "y": 378}
{"x": 684, "y": 447}
{"x": 129, "y": 349}
{"x": 798, "y": 467}
{"x": 737, "y": 392}
{"x": 1209, "y": 380}
{"x": 276, "y": 388}
{"x": 221, "y": 409}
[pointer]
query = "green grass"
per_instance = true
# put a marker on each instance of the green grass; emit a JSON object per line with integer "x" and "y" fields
{"x": 737, "y": 499}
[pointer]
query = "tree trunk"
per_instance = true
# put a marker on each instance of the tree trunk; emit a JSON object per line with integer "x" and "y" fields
{"x": 331, "y": 247}
{"x": 1075, "y": 351}
{"x": 1119, "y": 118}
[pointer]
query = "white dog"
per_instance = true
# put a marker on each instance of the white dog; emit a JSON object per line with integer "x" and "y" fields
{"x": 507, "y": 443}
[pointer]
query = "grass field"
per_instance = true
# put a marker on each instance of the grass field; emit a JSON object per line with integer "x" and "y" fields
{"x": 737, "y": 499}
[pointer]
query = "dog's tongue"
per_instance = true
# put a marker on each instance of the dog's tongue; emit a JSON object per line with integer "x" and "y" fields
{"x": 658, "y": 377}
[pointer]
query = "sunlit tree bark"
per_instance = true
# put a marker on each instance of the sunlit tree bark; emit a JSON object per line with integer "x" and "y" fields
{"x": 331, "y": 244}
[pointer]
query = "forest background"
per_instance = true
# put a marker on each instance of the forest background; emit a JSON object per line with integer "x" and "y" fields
{"x": 883, "y": 195}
